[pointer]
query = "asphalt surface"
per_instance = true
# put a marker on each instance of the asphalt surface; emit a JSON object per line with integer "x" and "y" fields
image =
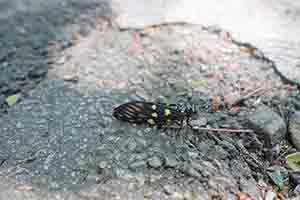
{"x": 27, "y": 30}
{"x": 61, "y": 138}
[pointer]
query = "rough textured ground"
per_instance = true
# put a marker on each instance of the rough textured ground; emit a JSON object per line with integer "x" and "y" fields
{"x": 271, "y": 25}
{"x": 166, "y": 60}
{"x": 63, "y": 136}
{"x": 64, "y": 139}
{"x": 29, "y": 28}
{"x": 61, "y": 141}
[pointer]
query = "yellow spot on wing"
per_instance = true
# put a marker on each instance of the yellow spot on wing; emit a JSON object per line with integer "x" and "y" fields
{"x": 154, "y": 107}
{"x": 151, "y": 121}
{"x": 168, "y": 121}
{"x": 154, "y": 115}
{"x": 167, "y": 112}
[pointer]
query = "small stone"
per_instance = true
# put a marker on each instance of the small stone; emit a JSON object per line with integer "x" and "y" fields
{"x": 155, "y": 162}
{"x": 132, "y": 187}
{"x": 89, "y": 195}
{"x": 171, "y": 162}
{"x": 296, "y": 190}
{"x": 132, "y": 146}
{"x": 137, "y": 164}
{"x": 295, "y": 178}
{"x": 294, "y": 129}
{"x": 140, "y": 181}
{"x": 232, "y": 99}
{"x": 19, "y": 125}
{"x": 61, "y": 60}
{"x": 177, "y": 196}
{"x": 191, "y": 172}
{"x": 205, "y": 168}
{"x": 54, "y": 185}
{"x": 71, "y": 77}
{"x": 148, "y": 194}
{"x": 154, "y": 178}
{"x": 199, "y": 122}
{"x": 270, "y": 195}
{"x": 249, "y": 186}
{"x": 93, "y": 178}
{"x": 26, "y": 188}
{"x": 168, "y": 189}
{"x": 187, "y": 195}
{"x": 37, "y": 72}
{"x": 265, "y": 120}
{"x": 103, "y": 164}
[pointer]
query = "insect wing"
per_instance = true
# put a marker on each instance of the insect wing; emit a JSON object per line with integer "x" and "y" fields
{"x": 134, "y": 112}
{"x": 154, "y": 114}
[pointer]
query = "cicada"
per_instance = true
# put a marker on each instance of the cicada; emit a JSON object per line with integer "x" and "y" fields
{"x": 153, "y": 114}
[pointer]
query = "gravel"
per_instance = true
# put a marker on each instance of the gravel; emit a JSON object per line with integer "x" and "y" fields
{"x": 264, "y": 120}
{"x": 62, "y": 137}
{"x": 294, "y": 129}
{"x": 28, "y": 29}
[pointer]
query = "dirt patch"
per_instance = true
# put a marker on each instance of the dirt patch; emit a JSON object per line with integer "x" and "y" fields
{"x": 158, "y": 61}
{"x": 63, "y": 135}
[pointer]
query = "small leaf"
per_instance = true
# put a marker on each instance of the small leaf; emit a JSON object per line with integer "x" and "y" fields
{"x": 243, "y": 196}
{"x": 12, "y": 100}
{"x": 276, "y": 176}
{"x": 293, "y": 161}
{"x": 216, "y": 103}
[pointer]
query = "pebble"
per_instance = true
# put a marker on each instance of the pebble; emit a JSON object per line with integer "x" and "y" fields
{"x": 295, "y": 178}
{"x": 294, "y": 129}
{"x": 37, "y": 72}
{"x": 71, "y": 77}
{"x": 137, "y": 164}
{"x": 171, "y": 162}
{"x": 201, "y": 122}
{"x": 54, "y": 185}
{"x": 270, "y": 195}
{"x": 296, "y": 190}
{"x": 26, "y": 188}
{"x": 177, "y": 196}
{"x": 264, "y": 120}
{"x": 191, "y": 172}
{"x": 61, "y": 60}
{"x": 103, "y": 164}
{"x": 168, "y": 189}
{"x": 250, "y": 186}
{"x": 155, "y": 162}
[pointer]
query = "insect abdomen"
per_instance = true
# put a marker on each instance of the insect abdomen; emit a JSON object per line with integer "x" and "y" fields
{"x": 154, "y": 114}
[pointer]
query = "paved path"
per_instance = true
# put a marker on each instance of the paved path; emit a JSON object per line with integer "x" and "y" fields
{"x": 62, "y": 136}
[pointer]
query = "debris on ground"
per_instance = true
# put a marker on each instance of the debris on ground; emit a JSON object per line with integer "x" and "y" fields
{"x": 62, "y": 138}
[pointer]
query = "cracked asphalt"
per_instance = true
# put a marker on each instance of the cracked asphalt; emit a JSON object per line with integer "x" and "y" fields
{"x": 61, "y": 141}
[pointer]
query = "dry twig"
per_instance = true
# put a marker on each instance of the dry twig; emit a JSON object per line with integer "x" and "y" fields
{"x": 249, "y": 95}
{"x": 225, "y": 130}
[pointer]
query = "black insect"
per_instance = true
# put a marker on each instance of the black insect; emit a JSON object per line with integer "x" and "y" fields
{"x": 153, "y": 114}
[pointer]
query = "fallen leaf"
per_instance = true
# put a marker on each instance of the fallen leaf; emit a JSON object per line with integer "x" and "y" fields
{"x": 13, "y": 99}
{"x": 276, "y": 177}
{"x": 216, "y": 103}
{"x": 243, "y": 196}
{"x": 293, "y": 161}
